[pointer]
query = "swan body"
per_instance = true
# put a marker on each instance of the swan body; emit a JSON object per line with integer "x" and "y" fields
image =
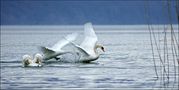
{"x": 87, "y": 50}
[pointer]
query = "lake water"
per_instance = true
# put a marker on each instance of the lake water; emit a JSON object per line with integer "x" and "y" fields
{"x": 127, "y": 62}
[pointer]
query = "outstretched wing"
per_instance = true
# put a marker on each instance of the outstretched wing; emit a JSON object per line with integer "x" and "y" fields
{"x": 90, "y": 38}
{"x": 56, "y": 49}
{"x": 49, "y": 54}
{"x": 81, "y": 49}
{"x": 46, "y": 50}
{"x": 60, "y": 44}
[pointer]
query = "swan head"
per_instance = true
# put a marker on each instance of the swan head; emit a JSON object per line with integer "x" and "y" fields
{"x": 26, "y": 60}
{"x": 101, "y": 47}
{"x": 38, "y": 58}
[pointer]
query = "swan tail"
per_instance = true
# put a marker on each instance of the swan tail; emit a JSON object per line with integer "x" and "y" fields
{"x": 47, "y": 52}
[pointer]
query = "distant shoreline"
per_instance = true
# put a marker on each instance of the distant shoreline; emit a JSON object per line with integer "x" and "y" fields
{"x": 80, "y": 27}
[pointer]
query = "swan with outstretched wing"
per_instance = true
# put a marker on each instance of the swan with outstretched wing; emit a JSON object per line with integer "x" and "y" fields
{"x": 87, "y": 50}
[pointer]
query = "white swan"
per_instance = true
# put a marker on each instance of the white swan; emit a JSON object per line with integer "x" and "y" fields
{"x": 29, "y": 62}
{"x": 88, "y": 48}
{"x": 56, "y": 50}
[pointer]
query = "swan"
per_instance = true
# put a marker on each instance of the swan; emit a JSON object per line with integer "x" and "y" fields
{"x": 27, "y": 60}
{"x": 56, "y": 50}
{"x": 88, "y": 49}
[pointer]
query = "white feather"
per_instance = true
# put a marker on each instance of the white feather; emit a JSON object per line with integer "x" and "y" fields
{"x": 56, "y": 49}
{"x": 90, "y": 39}
{"x": 61, "y": 43}
{"x": 88, "y": 47}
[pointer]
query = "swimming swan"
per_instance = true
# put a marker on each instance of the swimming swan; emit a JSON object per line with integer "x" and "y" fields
{"x": 29, "y": 62}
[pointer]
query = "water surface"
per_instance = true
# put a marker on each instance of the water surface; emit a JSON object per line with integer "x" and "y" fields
{"x": 127, "y": 62}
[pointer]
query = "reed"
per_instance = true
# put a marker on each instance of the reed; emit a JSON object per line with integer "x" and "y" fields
{"x": 165, "y": 53}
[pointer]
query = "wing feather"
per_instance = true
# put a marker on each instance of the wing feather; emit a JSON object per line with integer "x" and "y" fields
{"x": 60, "y": 44}
{"x": 90, "y": 38}
{"x": 81, "y": 49}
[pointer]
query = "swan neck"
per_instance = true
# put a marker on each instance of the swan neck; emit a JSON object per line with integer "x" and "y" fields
{"x": 95, "y": 49}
